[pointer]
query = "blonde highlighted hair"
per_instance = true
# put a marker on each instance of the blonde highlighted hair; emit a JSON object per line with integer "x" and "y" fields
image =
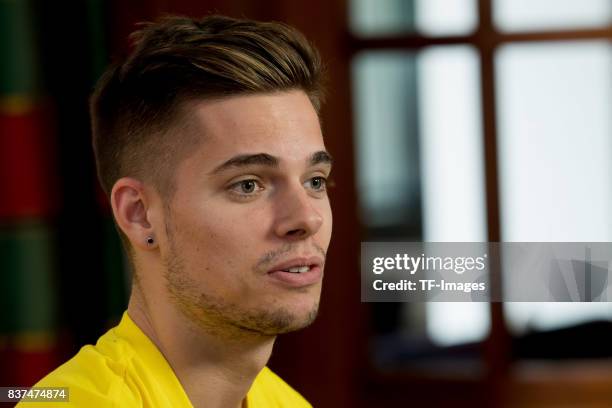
{"x": 175, "y": 60}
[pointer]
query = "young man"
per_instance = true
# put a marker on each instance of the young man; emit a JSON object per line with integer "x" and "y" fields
{"x": 208, "y": 144}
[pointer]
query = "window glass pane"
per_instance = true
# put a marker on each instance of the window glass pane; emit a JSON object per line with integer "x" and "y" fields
{"x": 513, "y": 15}
{"x": 430, "y": 17}
{"x": 453, "y": 175}
{"x": 381, "y": 17}
{"x": 418, "y": 141}
{"x": 387, "y": 149}
{"x": 445, "y": 17}
{"x": 555, "y": 158}
{"x": 387, "y": 177}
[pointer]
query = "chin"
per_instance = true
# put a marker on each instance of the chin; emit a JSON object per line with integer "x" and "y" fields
{"x": 305, "y": 318}
{"x": 285, "y": 319}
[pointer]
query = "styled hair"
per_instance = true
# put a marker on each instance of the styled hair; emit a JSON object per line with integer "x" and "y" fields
{"x": 139, "y": 105}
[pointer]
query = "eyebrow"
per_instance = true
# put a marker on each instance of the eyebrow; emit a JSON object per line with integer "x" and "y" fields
{"x": 264, "y": 159}
{"x": 321, "y": 157}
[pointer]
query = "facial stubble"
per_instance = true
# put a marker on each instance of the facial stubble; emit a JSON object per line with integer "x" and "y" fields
{"x": 220, "y": 316}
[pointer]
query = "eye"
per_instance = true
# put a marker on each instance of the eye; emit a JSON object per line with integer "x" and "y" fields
{"x": 246, "y": 187}
{"x": 318, "y": 183}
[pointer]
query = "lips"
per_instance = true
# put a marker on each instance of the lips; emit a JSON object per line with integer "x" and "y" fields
{"x": 298, "y": 272}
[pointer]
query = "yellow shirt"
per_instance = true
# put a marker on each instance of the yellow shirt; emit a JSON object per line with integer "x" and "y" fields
{"x": 125, "y": 369}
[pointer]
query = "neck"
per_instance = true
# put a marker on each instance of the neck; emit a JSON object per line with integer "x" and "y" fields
{"x": 215, "y": 369}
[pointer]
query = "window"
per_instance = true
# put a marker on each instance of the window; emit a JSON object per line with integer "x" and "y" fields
{"x": 495, "y": 120}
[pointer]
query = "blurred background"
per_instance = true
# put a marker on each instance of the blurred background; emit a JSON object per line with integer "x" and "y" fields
{"x": 450, "y": 120}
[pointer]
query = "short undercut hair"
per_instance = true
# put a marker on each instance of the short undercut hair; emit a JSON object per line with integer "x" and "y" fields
{"x": 139, "y": 104}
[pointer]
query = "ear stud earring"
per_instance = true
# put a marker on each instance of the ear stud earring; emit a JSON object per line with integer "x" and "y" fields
{"x": 150, "y": 240}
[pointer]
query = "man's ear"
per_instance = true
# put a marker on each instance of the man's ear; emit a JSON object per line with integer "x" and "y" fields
{"x": 130, "y": 205}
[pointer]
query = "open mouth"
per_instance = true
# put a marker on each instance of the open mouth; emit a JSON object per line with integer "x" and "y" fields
{"x": 297, "y": 269}
{"x": 298, "y": 272}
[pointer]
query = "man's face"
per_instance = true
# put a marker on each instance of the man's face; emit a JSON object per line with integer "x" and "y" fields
{"x": 250, "y": 222}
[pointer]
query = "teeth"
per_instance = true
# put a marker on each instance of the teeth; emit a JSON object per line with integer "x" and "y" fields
{"x": 298, "y": 269}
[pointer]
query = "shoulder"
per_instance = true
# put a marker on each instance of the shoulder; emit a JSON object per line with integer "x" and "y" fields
{"x": 94, "y": 377}
{"x": 123, "y": 369}
{"x": 269, "y": 390}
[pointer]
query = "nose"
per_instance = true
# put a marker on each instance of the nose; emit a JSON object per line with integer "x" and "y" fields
{"x": 297, "y": 215}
